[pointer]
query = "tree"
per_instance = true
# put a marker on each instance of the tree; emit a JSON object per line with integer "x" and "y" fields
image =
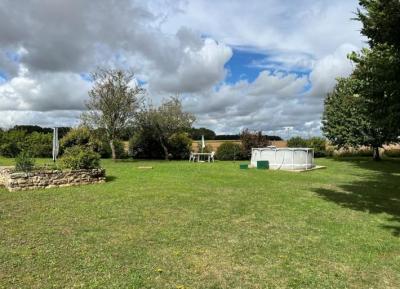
{"x": 196, "y": 133}
{"x": 297, "y": 142}
{"x": 113, "y": 102}
{"x": 381, "y": 21}
{"x": 370, "y": 97}
{"x": 346, "y": 122}
{"x": 252, "y": 139}
{"x": 378, "y": 82}
{"x": 164, "y": 121}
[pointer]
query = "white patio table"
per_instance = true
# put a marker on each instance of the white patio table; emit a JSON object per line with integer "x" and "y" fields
{"x": 196, "y": 156}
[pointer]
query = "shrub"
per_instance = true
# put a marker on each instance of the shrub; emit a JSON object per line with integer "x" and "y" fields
{"x": 83, "y": 136}
{"x": 119, "y": 149}
{"x": 144, "y": 145}
{"x": 392, "y": 153}
{"x": 180, "y": 145}
{"x": 297, "y": 142}
{"x": 9, "y": 149}
{"x": 40, "y": 144}
{"x": 12, "y": 143}
{"x": 24, "y": 162}
{"x": 75, "y": 137}
{"x": 319, "y": 146}
{"x": 80, "y": 157}
{"x": 229, "y": 151}
{"x": 316, "y": 143}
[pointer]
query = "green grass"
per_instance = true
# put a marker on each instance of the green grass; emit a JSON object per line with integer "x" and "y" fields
{"x": 184, "y": 225}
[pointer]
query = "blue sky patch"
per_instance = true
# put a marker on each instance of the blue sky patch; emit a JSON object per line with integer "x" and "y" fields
{"x": 3, "y": 77}
{"x": 86, "y": 76}
{"x": 247, "y": 64}
{"x": 238, "y": 66}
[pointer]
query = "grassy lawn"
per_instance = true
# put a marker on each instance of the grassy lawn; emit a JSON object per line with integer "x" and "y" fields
{"x": 185, "y": 225}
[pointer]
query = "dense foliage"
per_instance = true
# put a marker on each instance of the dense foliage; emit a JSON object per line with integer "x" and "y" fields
{"x": 93, "y": 139}
{"x": 80, "y": 157}
{"x": 45, "y": 130}
{"x": 230, "y": 151}
{"x": 252, "y": 139}
{"x": 316, "y": 143}
{"x": 364, "y": 109}
{"x": 297, "y": 142}
{"x": 144, "y": 145}
{"x": 155, "y": 126}
{"x": 14, "y": 141}
{"x": 179, "y": 145}
{"x": 196, "y": 133}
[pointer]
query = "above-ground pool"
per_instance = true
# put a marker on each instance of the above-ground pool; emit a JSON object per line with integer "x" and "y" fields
{"x": 284, "y": 158}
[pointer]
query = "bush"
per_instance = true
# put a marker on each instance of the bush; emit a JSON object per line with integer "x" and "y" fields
{"x": 319, "y": 146}
{"x": 40, "y": 144}
{"x": 144, "y": 145}
{"x": 12, "y": 143}
{"x": 297, "y": 142}
{"x": 392, "y": 153}
{"x": 180, "y": 145}
{"x": 83, "y": 136}
{"x": 119, "y": 149}
{"x": 24, "y": 162}
{"x": 316, "y": 143}
{"x": 80, "y": 157}
{"x": 229, "y": 151}
{"x": 75, "y": 137}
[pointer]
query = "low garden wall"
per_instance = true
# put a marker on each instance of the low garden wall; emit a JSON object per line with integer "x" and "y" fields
{"x": 41, "y": 179}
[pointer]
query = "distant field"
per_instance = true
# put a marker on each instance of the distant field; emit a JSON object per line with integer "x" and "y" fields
{"x": 201, "y": 225}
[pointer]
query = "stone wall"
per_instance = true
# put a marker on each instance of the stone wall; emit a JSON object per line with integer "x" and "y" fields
{"x": 19, "y": 181}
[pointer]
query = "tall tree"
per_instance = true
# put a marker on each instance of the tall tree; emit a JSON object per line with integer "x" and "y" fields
{"x": 370, "y": 97}
{"x": 113, "y": 102}
{"x": 381, "y": 21}
{"x": 345, "y": 119}
{"x": 164, "y": 121}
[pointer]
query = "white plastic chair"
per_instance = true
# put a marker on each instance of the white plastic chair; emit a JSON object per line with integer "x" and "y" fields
{"x": 211, "y": 157}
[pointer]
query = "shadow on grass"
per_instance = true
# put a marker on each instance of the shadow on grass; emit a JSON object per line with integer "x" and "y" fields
{"x": 110, "y": 178}
{"x": 378, "y": 192}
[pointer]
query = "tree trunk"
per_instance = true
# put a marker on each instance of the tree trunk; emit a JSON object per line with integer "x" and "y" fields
{"x": 164, "y": 148}
{"x": 112, "y": 146}
{"x": 376, "y": 155}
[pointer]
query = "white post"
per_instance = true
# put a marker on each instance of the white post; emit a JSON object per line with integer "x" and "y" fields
{"x": 55, "y": 144}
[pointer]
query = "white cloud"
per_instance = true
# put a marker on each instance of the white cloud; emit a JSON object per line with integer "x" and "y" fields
{"x": 199, "y": 69}
{"x": 178, "y": 47}
{"x": 43, "y": 91}
{"x": 327, "y": 69}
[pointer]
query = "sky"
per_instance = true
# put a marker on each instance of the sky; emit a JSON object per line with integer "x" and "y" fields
{"x": 259, "y": 64}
